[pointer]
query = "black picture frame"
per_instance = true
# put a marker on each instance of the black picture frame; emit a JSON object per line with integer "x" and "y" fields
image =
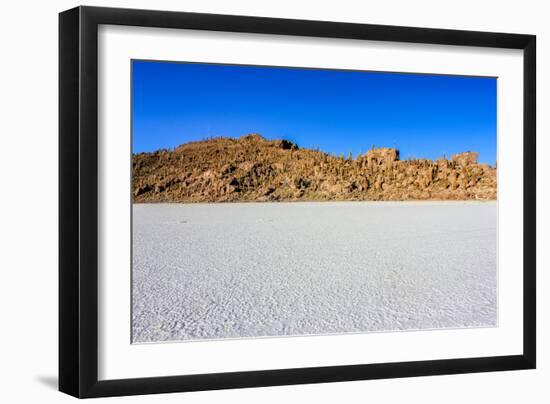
{"x": 78, "y": 201}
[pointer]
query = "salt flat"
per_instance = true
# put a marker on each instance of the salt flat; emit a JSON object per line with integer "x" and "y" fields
{"x": 270, "y": 269}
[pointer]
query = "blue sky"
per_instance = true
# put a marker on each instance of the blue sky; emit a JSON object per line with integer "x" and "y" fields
{"x": 424, "y": 116}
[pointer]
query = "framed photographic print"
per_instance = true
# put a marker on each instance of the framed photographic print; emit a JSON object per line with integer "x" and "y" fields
{"x": 251, "y": 201}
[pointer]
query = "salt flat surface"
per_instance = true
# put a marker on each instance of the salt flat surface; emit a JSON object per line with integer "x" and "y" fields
{"x": 271, "y": 269}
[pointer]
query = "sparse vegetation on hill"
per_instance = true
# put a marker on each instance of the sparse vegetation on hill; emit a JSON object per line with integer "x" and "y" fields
{"x": 252, "y": 168}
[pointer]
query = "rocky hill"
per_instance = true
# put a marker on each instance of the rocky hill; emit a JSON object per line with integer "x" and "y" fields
{"x": 252, "y": 168}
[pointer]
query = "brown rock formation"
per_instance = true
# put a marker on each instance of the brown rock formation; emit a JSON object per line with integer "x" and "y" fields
{"x": 252, "y": 168}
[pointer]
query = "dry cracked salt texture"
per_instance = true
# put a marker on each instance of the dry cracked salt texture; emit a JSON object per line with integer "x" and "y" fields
{"x": 208, "y": 271}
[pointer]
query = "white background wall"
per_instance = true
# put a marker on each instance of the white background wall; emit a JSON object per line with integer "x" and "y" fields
{"x": 28, "y": 199}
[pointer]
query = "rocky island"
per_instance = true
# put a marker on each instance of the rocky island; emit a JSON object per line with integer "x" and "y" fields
{"x": 252, "y": 168}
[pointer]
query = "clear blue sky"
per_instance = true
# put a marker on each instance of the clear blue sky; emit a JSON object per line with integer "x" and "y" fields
{"x": 424, "y": 116}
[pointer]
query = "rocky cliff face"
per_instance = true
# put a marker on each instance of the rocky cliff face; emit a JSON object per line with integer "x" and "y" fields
{"x": 252, "y": 168}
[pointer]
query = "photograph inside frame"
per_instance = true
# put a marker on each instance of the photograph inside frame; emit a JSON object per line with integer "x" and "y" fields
{"x": 285, "y": 201}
